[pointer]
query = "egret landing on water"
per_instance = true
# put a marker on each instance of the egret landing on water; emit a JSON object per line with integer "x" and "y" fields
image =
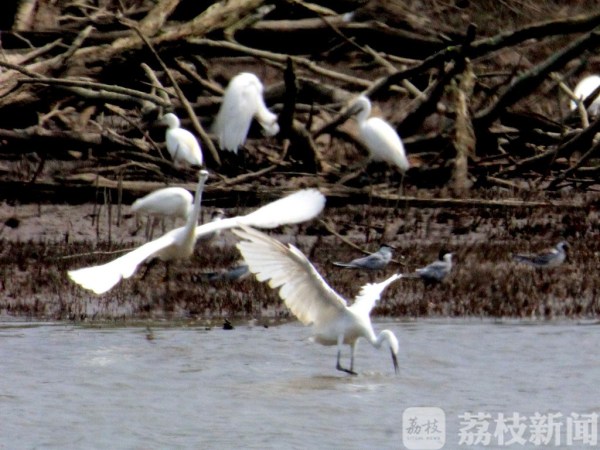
{"x": 312, "y": 300}
{"x": 584, "y": 89}
{"x": 181, "y": 144}
{"x": 179, "y": 243}
{"x": 242, "y": 101}
{"x": 375, "y": 261}
{"x": 171, "y": 202}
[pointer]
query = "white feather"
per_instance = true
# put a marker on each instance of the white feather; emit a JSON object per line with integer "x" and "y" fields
{"x": 181, "y": 144}
{"x": 242, "y": 101}
{"x": 584, "y": 89}
{"x": 173, "y": 202}
{"x": 379, "y": 137}
{"x": 179, "y": 243}
{"x": 302, "y": 288}
{"x": 310, "y": 298}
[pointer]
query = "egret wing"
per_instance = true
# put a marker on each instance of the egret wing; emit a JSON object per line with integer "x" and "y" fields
{"x": 295, "y": 208}
{"x": 298, "y": 207}
{"x": 102, "y": 278}
{"x": 370, "y": 293}
{"x": 301, "y": 287}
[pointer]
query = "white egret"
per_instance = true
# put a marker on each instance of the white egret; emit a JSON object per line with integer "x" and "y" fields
{"x": 170, "y": 202}
{"x": 374, "y": 261}
{"x": 552, "y": 258}
{"x": 181, "y": 144}
{"x": 179, "y": 243}
{"x": 380, "y": 138}
{"x": 311, "y": 299}
{"x": 242, "y": 101}
{"x": 584, "y": 89}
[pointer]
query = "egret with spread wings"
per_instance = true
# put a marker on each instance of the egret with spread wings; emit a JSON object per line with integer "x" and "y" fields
{"x": 312, "y": 300}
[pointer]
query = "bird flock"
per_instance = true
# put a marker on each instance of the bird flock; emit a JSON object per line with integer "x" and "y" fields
{"x": 285, "y": 268}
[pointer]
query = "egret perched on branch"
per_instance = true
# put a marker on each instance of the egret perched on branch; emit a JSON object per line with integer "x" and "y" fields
{"x": 584, "y": 89}
{"x": 311, "y": 299}
{"x": 242, "y": 101}
{"x": 374, "y": 261}
{"x": 181, "y": 144}
{"x": 379, "y": 137}
{"x": 552, "y": 258}
{"x": 179, "y": 243}
{"x": 170, "y": 202}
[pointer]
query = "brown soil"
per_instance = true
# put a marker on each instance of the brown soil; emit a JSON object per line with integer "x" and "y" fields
{"x": 39, "y": 243}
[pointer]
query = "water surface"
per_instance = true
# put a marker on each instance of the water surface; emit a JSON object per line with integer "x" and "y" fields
{"x": 68, "y": 386}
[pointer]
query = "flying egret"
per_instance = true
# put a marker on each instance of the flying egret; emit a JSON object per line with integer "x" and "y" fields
{"x": 380, "y": 138}
{"x": 181, "y": 144}
{"x": 584, "y": 89}
{"x": 242, "y": 101}
{"x": 552, "y": 258}
{"x": 170, "y": 202}
{"x": 311, "y": 299}
{"x": 179, "y": 243}
{"x": 374, "y": 261}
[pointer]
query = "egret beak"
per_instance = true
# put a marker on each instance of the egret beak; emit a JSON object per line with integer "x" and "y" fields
{"x": 353, "y": 110}
{"x": 395, "y": 361}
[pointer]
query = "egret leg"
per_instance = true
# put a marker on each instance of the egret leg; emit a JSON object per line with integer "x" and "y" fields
{"x": 338, "y": 365}
{"x": 149, "y": 266}
{"x": 352, "y": 352}
{"x": 148, "y": 226}
{"x": 155, "y": 222}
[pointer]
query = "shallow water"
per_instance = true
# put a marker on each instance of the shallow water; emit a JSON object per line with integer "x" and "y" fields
{"x": 66, "y": 386}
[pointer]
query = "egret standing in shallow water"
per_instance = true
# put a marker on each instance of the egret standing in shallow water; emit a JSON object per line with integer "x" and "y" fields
{"x": 181, "y": 144}
{"x": 379, "y": 137}
{"x": 179, "y": 243}
{"x": 242, "y": 101}
{"x": 584, "y": 89}
{"x": 170, "y": 202}
{"x": 312, "y": 300}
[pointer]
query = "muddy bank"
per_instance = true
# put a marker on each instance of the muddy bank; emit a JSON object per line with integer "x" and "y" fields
{"x": 40, "y": 243}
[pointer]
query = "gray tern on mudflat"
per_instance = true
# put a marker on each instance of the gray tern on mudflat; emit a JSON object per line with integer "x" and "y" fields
{"x": 437, "y": 270}
{"x": 374, "y": 261}
{"x": 552, "y": 258}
